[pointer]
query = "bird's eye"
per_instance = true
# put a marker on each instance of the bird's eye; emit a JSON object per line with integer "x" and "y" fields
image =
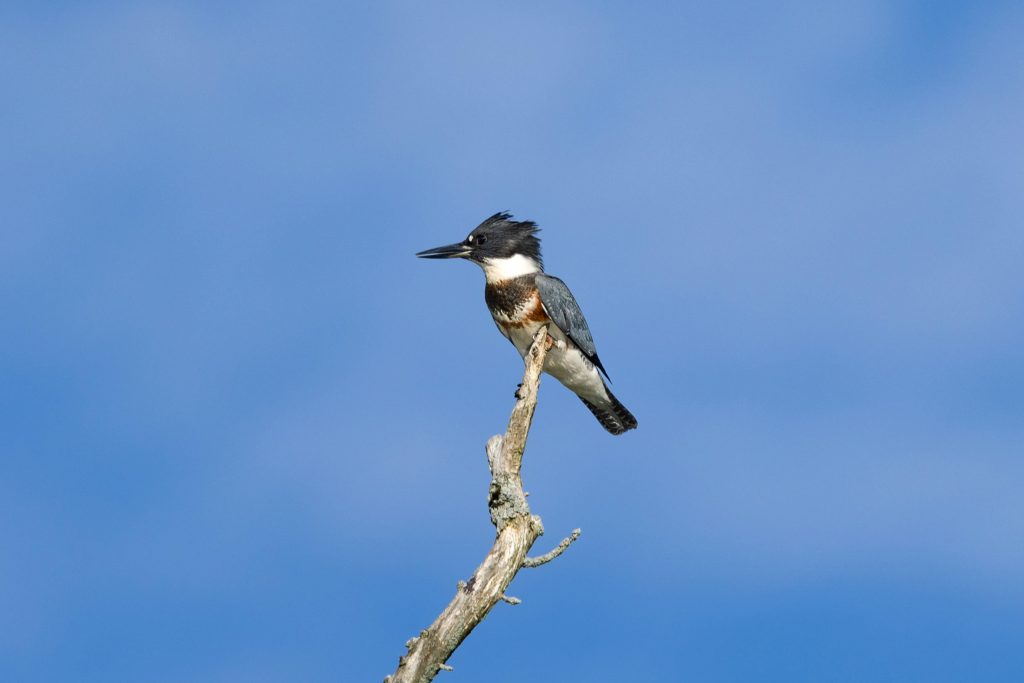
{"x": 481, "y": 239}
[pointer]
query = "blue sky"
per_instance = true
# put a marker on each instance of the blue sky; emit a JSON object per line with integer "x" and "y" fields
{"x": 243, "y": 426}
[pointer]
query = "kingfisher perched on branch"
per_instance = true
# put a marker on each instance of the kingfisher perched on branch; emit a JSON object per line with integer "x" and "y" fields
{"x": 522, "y": 297}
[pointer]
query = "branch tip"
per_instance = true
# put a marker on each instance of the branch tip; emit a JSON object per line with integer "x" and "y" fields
{"x": 531, "y": 562}
{"x": 510, "y": 600}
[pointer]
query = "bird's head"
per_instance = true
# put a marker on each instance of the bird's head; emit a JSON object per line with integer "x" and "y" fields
{"x": 503, "y": 247}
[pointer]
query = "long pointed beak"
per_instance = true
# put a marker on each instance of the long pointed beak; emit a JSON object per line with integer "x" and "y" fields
{"x": 458, "y": 250}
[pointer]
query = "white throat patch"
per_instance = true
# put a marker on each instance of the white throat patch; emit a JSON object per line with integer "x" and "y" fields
{"x": 498, "y": 269}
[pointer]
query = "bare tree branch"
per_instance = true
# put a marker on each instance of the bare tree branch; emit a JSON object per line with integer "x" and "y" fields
{"x": 531, "y": 562}
{"x": 517, "y": 529}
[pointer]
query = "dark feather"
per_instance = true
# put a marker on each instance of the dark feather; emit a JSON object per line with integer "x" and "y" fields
{"x": 563, "y": 310}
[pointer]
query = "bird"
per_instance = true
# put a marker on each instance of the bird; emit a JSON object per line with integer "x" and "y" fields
{"x": 522, "y": 297}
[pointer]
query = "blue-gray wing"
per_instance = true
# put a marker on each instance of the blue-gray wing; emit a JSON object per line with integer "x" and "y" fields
{"x": 563, "y": 310}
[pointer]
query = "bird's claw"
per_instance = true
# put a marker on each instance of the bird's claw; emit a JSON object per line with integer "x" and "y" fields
{"x": 552, "y": 343}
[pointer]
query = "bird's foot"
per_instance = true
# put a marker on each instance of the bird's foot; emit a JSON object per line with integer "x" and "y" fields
{"x": 519, "y": 392}
{"x": 551, "y": 342}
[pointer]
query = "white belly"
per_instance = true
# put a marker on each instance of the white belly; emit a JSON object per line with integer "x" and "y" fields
{"x": 564, "y": 362}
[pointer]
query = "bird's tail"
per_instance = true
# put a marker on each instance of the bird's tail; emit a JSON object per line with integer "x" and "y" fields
{"x": 612, "y": 415}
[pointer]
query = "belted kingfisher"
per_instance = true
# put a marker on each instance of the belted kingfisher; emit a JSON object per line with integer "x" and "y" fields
{"x": 522, "y": 297}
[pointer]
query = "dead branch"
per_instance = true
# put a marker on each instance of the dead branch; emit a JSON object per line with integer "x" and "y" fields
{"x": 517, "y": 529}
{"x": 530, "y": 562}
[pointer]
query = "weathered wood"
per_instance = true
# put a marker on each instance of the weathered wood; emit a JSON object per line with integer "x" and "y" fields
{"x": 530, "y": 562}
{"x": 517, "y": 529}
